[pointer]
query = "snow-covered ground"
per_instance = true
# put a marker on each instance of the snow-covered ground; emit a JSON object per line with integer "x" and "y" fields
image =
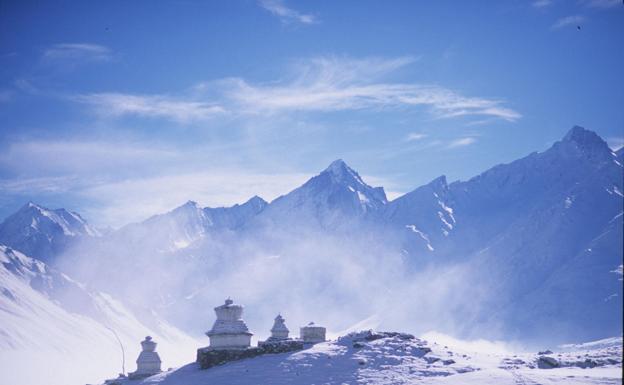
{"x": 395, "y": 358}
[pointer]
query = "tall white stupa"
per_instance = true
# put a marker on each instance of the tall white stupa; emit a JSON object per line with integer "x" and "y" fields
{"x": 229, "y": 330}
{"x": 148, "y": 362}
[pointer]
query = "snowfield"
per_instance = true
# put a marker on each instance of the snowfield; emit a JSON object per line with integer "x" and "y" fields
{"x": 383, "y": 358}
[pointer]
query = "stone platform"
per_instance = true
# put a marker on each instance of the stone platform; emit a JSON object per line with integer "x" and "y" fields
{"x": 208, "y": 357}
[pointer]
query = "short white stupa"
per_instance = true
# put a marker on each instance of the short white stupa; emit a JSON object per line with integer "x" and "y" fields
{"x": 229, "y": 330}
{"x": 279, "y": 331}
{"x": 148, "y": 362}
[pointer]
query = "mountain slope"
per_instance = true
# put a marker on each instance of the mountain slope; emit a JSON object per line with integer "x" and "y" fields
{"x": 423, "y": 217}
{"x": 55, "y": 331}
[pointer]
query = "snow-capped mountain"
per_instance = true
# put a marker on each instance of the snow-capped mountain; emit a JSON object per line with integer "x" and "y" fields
{"x": 44, "y": 233}
{"x": 543, "y": 233}
{"x": 469, "y": 214}
{"x": 55, "y": 330}
{"x": 533, "y": 242}
{"x": 329, "y": 200}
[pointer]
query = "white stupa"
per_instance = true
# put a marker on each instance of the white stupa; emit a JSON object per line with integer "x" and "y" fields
{"x": 229, "y": 330}
{"x": 148, "y": 362}
{"x": 312, "y": 333}
{"x": 279, "y": 331}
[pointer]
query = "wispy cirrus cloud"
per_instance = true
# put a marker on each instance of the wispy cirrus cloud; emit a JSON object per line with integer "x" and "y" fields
{"x": 151, "y": 106}
{"x": 461, "y": 142}
{"x": 78, "y": 51}
{"x": 317, "y": 85}
{"x": 335, "y": 84}
{"x": 567, "y": 21}
{"x": 286, "y": 14}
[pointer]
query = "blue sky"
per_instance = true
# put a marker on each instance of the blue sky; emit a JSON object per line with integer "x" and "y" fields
{"x": 120, "y": 110}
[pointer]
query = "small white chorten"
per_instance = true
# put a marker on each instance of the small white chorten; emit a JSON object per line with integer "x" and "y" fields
{"x": 148, "y": 362}
{"x": 279, "y": 331}
{"x": 229, "y": 330}
{"x": 312, "y": 333}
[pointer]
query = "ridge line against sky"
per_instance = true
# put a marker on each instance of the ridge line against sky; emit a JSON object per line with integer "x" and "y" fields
{"x": 119, "y": 115}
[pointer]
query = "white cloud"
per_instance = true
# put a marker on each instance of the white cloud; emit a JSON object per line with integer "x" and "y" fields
{"x": 604, "y": 4}
{"x": 461, "y": 142}
{"x": 568, "y": 21}
{"x": 78, "y": 51}
{"x": 541, "y": 3}
{"x": 414, "y": 136}
{"x": 155, "y": 106}
{"x": 335, "y": 84}
{"x": 287, "y": 15}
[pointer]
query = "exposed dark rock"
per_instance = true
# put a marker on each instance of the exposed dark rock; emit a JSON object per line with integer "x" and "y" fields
{"x": 546, "y": 362}
{"x": 431, "y": 359}
{"x": 588, "y": 363}
{"x": 421, "y": 351}
{"x": 372, "y": 336}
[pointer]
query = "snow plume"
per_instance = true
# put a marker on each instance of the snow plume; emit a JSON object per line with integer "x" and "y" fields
{"x": 336, "y": 279}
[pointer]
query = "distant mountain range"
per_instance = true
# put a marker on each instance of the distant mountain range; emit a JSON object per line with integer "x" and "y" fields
{"x": 526, "y": 250}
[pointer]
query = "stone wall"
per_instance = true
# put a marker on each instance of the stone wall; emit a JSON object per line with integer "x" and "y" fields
{"x": 207, "y": 357}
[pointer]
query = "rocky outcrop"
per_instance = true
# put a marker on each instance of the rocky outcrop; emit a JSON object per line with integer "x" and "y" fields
{"x": 546, "y": 362}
